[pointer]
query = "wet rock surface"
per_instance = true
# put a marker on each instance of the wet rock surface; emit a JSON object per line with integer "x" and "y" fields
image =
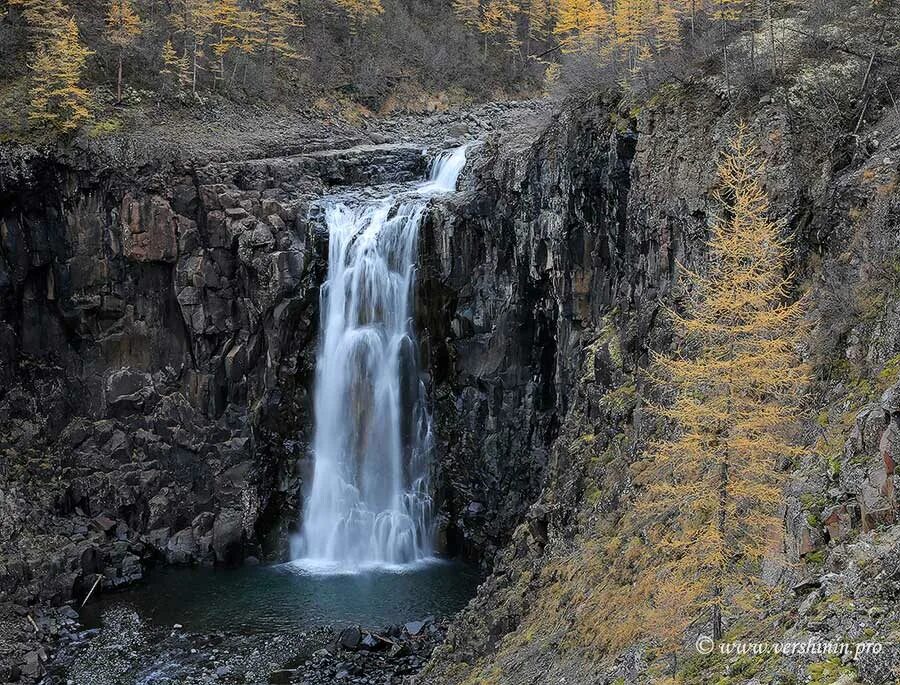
{"x": 131, "y": 649}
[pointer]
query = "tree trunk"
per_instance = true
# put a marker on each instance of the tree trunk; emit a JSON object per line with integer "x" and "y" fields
{"x": 772, "y": 37}
{"x": 720, "y": 525}
{"x": 194, "y": 68}
{"x": 119, "y": 80}
{"x": 725, "y": 54}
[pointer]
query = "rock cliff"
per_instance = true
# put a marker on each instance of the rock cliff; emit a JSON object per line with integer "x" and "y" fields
{"x": 157, "y": 342}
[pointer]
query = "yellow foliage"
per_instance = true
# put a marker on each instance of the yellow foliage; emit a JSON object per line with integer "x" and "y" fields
{"x": 713, "y": 491}
{"x": 123, "y": 25}
{"x": 499, "y": 20}
{"x": 280, "y": 20}
{"x": 581, "y": 23}
{"x": 360, "y": 10}
{"x": 468, "y": 12}
{"x": 57, "y": 101}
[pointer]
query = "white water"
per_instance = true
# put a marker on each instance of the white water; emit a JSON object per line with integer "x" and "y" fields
{"x": 370, "y": 502}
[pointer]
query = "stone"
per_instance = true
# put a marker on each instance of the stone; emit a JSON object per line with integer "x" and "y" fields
{"x": 148, "y": 229}
{"x": 415, "y": 628}
{"x": 350, "y": 638}
{"x": 128, "y": 388}
{"x": 282, "y": 676}
{"x": 103, "y": 523}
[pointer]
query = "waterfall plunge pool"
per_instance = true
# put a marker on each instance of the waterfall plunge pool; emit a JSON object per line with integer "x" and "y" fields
{"x": 198, "y": 626}
{"x": 286, "y": 598}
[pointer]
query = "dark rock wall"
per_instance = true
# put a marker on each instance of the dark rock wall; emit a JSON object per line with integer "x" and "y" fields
{"x": 158, "y": 343}
{"x": 594, "y": 218}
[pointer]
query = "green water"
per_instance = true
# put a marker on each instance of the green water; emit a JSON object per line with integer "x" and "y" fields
{"x": 286, "y": 598}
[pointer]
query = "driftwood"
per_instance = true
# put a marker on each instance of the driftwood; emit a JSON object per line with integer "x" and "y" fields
{"x": 93, "y": 587}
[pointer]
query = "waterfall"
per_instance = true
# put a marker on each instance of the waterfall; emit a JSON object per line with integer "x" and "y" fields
{"x": 370, "y": 502}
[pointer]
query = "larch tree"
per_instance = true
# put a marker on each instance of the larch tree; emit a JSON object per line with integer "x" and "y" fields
{"x": 630, "y": 18}
{"x": 176, "y": 68}
{"x": 579, "y": 21}
{"x": 360, "y": 11}
{"x": 539, "y": 19}
{"x": 468, "y": 12}
{"x": 499, "y": 21}
{"x": 123, "y": 26}
{"x": 58, "y": 101}
{"x": 192, "y": 19}
{"x": 233, "y": 28}
{"x": 56, "y": 60}
{"x": 667, "y": 24}
{"x": 279, "y": 22}
{"x": 713, "y": 489}
{"x": 44, "y": 18}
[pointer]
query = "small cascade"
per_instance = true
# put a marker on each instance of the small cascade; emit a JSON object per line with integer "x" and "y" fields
{"x": 370, "y": 502}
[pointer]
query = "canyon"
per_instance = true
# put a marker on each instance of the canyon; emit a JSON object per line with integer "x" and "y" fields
{"x": 158, "y": 338}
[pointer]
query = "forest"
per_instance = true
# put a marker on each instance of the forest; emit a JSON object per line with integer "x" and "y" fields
{"x": 68, "y": 67}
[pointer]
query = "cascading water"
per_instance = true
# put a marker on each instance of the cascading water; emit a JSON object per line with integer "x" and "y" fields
{"x": 370, "y": 502}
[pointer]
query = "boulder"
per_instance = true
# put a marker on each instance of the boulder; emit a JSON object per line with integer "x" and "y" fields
{"x": 350, "y": 638}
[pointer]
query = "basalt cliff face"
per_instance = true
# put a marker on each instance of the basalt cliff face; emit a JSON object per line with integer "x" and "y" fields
{"x": 578, "y": 236}
{"x": 158, "y": 328}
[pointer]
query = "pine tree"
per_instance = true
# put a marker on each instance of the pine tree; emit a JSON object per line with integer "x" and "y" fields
{"x": 123, "y": 26}
{"x": 713, "y": 489}
{"x": 58, "y": 102}
{"x": 468, "y": 12}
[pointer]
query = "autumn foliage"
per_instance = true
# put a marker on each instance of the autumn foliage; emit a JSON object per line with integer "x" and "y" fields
{"x": 713, "y": 485}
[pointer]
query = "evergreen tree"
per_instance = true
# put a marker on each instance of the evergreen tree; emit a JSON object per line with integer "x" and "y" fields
{"x": 714, "y": 489}
{"x": 123, "y": 26}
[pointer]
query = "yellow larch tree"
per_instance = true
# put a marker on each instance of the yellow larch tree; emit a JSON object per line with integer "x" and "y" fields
{"x": 235, "y": 29}
{"x": 58, "y": 101}
{"x": 360, "y": 11}
{"x": 713, "y": 489}
{"x": 123, "y": 26}
{"x": 468, "y": 12}
{"x": 667, "y": 24}
{"x": 579, "y": 23}
{"x": 539, "y": 19}
{"x": 56, "y": 60}
{"x": 192, "y": 19}
{"x": 279, "y": 21}
{"x": 499, "y": 21}
{"x": 631, "y": 19}
{"x": 176, "y": 67}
